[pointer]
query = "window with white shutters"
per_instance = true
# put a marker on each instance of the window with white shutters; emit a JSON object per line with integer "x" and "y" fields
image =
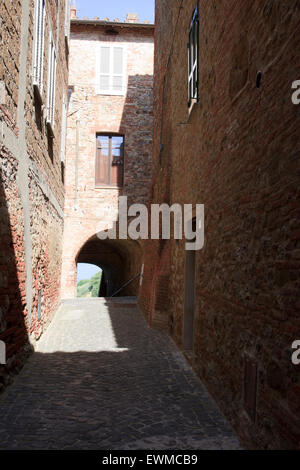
{"x": 193, "y": 46}
{"x": 63, "y": 130}
{"x": 67, "y": 20}
{"x": 38, "y": 59}
{"x": 111, "y": 70}
{"x": 51, "y": 82}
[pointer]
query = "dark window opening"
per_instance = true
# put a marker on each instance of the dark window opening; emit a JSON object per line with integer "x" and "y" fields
{"x": 110, "y": 160}
{"x": 193, "y": 46}
{"x": 63, "y": 173}
{"x": 258, "y": 79}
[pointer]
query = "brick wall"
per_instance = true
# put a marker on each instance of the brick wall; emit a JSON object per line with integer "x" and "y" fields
{"x": 31, "y": 192}
{"x": 91, "y": 113}
{"x": 237, "y": 153}
{"x": 10, "y": 53}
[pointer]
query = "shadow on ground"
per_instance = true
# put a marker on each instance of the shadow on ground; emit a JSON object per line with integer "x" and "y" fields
{"x": 130, "y": 388}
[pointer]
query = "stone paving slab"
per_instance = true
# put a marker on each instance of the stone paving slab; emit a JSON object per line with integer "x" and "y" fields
{"x": 102, "y": 379}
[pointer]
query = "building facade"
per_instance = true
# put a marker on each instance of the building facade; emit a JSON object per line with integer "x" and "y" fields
{"x": 226, "y": 135}
{"x": 109, "y": 145}
{"x": 33, "y": 91}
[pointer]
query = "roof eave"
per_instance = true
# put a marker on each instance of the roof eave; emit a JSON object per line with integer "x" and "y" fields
{"x": 112, "y": 24}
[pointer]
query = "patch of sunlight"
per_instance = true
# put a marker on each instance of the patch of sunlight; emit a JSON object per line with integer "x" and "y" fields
{"x": 81, "y": 330}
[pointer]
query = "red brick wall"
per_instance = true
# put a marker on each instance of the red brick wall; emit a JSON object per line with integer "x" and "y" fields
{"x": 237, "y": 153}
{"x": 31, "y": 188}
{"x": 91, "y": 113}
{"x": 10, "y": 22}
{"x": 12, "y": 269}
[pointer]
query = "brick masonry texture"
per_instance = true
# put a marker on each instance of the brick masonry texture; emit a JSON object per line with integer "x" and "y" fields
{"x": 31, "y": 192}
{"x": 10, "y": 52}
{"x": 237, "y": 153}
{"x": 91, "y": 113}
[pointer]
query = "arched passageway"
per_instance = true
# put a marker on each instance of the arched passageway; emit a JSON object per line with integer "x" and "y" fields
{"x": 120, "y": 261}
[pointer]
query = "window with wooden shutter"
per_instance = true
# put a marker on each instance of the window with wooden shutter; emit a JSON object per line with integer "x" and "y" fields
{"x": 193, "y": 46}
{"x": 39, "y": 34}
{"x": 51, "y": 83}
{"x": 111, "y": 70}
{"x": 110, "y": 160}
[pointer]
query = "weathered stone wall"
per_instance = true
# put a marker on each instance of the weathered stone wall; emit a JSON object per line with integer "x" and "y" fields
{"x": 237, "y": 153}
{"x": 31, "y": 192}
{"x": 10, "y": 30}
{"x": 91, "y": 113}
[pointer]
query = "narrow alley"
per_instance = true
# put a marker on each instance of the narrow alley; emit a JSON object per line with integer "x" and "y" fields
{"x": 101, "y": 378}
{"x": 149, "y": 225}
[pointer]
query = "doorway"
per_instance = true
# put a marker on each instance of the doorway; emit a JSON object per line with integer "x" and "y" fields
{"x": 189, "y": 300}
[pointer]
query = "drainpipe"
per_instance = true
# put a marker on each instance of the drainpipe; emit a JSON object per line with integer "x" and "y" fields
{"x": 76, "y": 164}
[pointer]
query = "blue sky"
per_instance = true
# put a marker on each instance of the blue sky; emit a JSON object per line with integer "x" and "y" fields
{"x": 115, "y": 9}
{"x": 86, "y": 271}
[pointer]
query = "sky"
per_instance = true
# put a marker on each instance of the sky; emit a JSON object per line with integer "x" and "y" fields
{"x": 86, "y": 271}
{"x": 115, "y": 9}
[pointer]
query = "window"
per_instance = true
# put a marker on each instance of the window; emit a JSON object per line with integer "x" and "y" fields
{"x": 51, "y": 84}
{"x": 38, "y": 63}
{"x": 111, "y": 70}
{"x": 110, "y": 160}
{"x": 63, "y": 136}
{"x": 67, "y": 20}
{"x": 193, "y": 46}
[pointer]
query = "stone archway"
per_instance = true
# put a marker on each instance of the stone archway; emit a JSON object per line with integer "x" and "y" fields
{"x": 120, "y": 261}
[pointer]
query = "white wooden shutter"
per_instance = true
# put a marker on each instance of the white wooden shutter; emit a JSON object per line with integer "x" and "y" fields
{"x": 104, "y": 68}
{"x": 112, "y": 70}
{"x": 39, "y": 44}
{"x": 51, "y": 81}
{"x": 117, "y": 69}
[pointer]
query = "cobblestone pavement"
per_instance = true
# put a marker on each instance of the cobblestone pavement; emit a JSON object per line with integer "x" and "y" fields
{"x": 102, "y": 379}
